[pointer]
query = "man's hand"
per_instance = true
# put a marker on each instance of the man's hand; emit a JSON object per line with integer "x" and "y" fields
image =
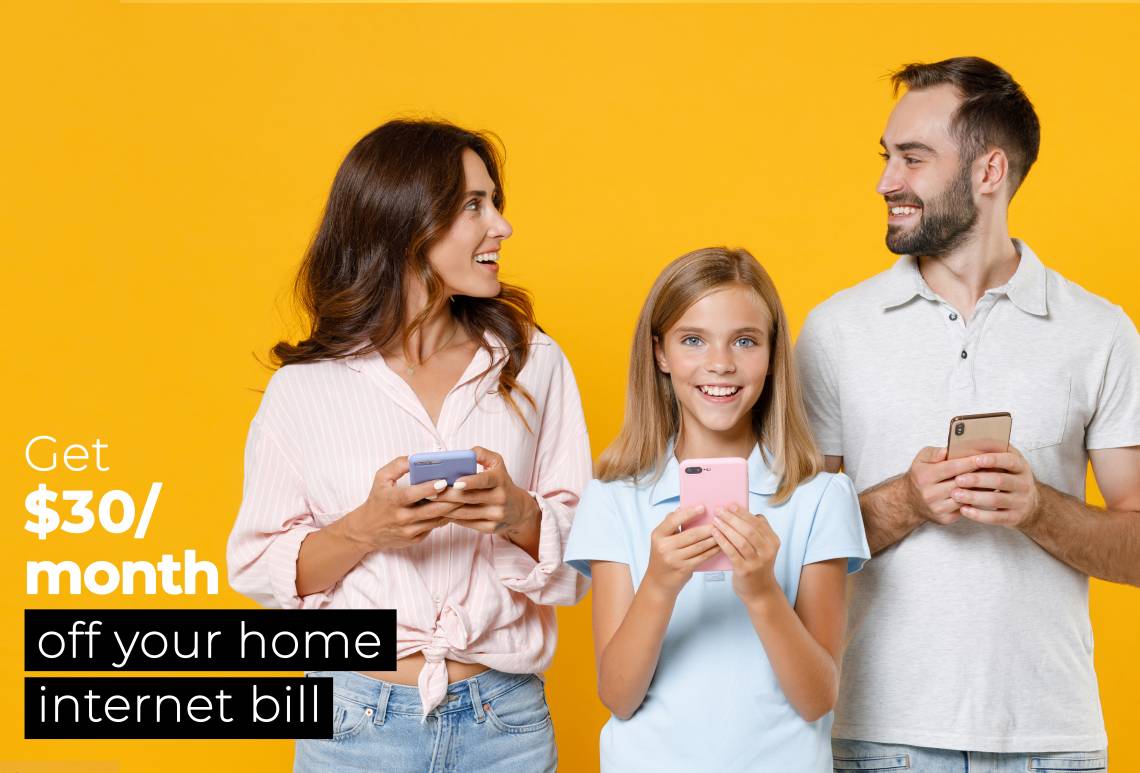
{"x": 1001, "y": 491}
{"x": 932, "y": 482}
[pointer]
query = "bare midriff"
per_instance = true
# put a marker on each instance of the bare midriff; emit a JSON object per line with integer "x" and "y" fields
{"x": 408, "y": 670}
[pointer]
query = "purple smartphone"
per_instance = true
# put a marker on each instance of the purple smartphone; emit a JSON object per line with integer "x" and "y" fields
{"x": 713, "y": 483}
{"x": 440, "y": 465}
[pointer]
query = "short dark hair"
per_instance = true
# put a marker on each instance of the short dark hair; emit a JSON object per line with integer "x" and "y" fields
{"x": 994, "y": 112}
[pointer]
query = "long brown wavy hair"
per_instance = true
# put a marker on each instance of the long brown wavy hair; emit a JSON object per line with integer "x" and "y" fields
{"x": 652, "y": 413}
{"x": 395, "y": 195}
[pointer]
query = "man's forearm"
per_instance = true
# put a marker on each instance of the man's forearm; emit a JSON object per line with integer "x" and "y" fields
{"x": 888, "y": 513}
{"x": 1101, "y": 543}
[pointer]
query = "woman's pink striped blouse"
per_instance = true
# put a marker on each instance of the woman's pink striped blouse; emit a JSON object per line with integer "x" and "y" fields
{"x": 322, "y": 431}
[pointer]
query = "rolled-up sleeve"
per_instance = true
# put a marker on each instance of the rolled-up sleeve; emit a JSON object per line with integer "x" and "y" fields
{"x": 273, "y": 520}
{"x": 562, "y": 470}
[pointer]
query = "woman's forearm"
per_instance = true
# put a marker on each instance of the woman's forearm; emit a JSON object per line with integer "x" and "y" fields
{"x": 630, "y": 658}
{"x": 528, "y": 532}
{"x": 326, "y": 556}
{"x": 807, "y": 672}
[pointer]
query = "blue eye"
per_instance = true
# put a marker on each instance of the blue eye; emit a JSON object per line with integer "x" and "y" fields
{"x": 745, "y": 342}
{"x": 691, "y": 341}
{"x": 473, "y": 205}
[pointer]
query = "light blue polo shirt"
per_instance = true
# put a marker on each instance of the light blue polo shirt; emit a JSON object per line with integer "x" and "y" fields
{"x": 714, "y": 703}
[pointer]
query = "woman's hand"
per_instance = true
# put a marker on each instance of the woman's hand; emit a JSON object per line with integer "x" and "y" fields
{"x": 674, "y": 555}
{"x": 395, "y": 517}
{"x": 490, "y": 502}
{"x": 751, "y": 546}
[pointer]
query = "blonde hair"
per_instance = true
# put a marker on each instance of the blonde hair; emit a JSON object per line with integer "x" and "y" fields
{"x": 652, "y": 413}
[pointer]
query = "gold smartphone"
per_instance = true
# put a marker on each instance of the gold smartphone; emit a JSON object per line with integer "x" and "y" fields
{"x": 978, "y": 433}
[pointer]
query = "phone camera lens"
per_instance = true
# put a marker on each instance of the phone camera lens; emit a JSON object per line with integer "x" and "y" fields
{"x": 692, "y": 470}
{"x": 959, "y": 429}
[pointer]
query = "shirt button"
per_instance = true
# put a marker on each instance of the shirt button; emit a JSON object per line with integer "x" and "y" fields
{"x": 963, "y": 354}
{"x": 953, "y": 316}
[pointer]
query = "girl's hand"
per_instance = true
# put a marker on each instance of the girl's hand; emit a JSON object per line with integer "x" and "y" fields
{"x": 751, "y": 546}
{"x": 394, "y": 516}
{"x": 674, "y": 555}
{"x": 490, "y": 501}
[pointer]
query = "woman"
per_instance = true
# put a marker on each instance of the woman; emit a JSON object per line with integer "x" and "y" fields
{"x": 415, "y": 345}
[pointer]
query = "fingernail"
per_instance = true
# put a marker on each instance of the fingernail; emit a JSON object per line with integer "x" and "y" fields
{"x": 432, "y": 497}
{"x": 440, "y": 485}
{"x": 459, "y": 485}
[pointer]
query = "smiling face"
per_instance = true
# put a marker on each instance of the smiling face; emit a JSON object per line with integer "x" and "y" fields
{"x": 717, "y": 357}
{"x": 927, "y": 186}
{"x": 466, "y": 258}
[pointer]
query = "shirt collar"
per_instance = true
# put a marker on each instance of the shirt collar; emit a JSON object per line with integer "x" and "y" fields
{"x": 359, "y": 361}
{"x": 1026, "y": 288}
{"x": 480, "y": 377}
{"x": 761, "y": 480}
{"x": 904, "y": 282}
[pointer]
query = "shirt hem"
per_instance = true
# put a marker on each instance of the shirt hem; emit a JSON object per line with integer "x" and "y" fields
{"x": 1109, "y": 441}
{"x": 977, "y": 743}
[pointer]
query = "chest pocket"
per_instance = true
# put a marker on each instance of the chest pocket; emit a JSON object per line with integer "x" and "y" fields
{"x": 1040, "y": 408}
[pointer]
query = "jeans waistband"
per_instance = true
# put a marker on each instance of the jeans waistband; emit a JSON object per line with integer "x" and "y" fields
{"x": 384, "y": 697}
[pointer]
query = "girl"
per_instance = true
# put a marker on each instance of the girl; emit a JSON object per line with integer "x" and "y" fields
{"x": 703, "y": 671}
{"x": 415, "y": 345}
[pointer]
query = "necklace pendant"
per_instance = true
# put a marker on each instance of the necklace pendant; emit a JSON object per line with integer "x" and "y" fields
{"x": 410, "y": 370}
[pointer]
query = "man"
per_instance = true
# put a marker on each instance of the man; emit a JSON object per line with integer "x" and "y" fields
{"x": 969, "y": 635}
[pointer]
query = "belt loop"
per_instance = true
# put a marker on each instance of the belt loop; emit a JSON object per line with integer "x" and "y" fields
{"x": 382, "y": 704}
{"x": 476, "y": 701}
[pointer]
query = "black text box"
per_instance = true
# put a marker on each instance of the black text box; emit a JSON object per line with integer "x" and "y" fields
{"x": 209, "y": 640}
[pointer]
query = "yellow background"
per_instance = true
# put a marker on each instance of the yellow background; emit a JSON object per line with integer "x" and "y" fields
{"x": 165, "y": 165}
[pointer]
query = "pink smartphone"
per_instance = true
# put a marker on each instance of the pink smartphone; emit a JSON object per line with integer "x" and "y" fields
{"x": 713, "y": 483}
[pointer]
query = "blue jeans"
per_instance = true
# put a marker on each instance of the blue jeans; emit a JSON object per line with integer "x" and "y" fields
{"x": 865, "y": 755}
{"x": 492, "y": 721}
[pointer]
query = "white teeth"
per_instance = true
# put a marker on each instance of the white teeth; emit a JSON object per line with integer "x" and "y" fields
{"x": 719, "y": 391}
{"x": 487, "y": 257}
{"x": 903, "y": 210}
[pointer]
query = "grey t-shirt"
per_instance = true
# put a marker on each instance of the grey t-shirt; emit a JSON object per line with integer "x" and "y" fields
{"x": 970, "y": 636}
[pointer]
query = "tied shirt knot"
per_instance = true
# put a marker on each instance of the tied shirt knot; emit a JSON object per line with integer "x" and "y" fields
{"x": 450, "y": 635}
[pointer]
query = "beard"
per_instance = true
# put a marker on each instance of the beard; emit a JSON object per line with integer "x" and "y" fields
{"x": 943, "y": 224}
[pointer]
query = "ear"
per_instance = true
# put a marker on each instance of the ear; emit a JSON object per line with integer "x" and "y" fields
{"x": 994, "y": 170}
{"x": 659, "y": 355}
